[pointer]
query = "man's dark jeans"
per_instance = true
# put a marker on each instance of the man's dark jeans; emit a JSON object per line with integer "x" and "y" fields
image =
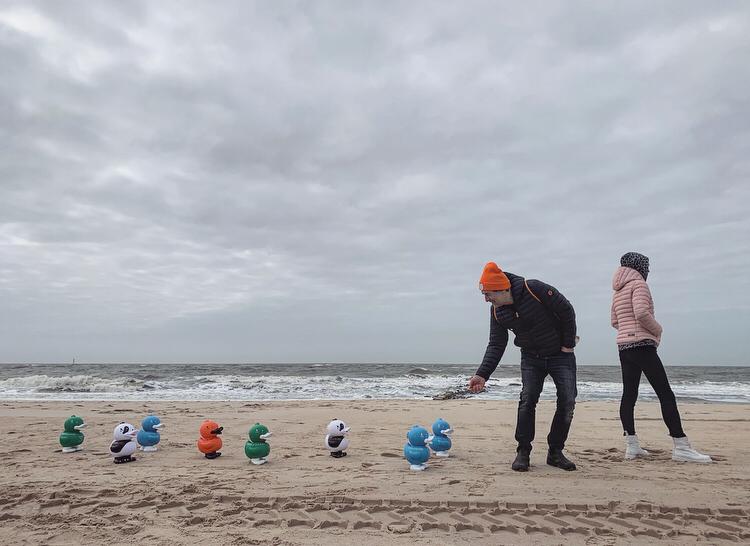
{"x": 562, "y": 368}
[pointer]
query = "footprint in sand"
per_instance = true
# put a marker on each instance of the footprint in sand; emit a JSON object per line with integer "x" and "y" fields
{"x": 174, "y": 507}
{"x": 68, "y": 537}
{"x": 57, "y": 506}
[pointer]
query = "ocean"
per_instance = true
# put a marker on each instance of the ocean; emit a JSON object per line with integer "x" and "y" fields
{"x": 335, "y": 381}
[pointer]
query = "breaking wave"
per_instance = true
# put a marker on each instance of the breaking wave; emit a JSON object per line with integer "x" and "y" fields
{"x": 415, "y": 383}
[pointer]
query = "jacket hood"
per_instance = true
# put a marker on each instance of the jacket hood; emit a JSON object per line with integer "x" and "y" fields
{"x": 624, "y": 275}
{"x": 516, "y": 285}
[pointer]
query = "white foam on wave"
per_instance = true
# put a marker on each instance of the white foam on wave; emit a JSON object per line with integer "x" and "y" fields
{"x": 275, "y": 387}
{"x": 70, "y": 383}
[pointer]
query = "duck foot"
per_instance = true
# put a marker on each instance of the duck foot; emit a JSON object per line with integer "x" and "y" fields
{"x": 71, "y": 449}
{"x": 122, "y": 460}
{"x": 441, "y": 453}
{"x": 338, "y": 454}
{"x": 213, "y": 454}
{"x": 148, "y": 448}
{"x": 259, "y": 461}
{"x": 418, "y": 466}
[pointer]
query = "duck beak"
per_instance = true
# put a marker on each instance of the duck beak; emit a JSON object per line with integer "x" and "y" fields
{"x": 266, "y": 435}
{"x": 429, "y": 440}
{"x": 217, "y": 430}
{"x": 79, "y": 427}
{"x": 346, "y": 430}
{"x": 133, "y": 433}
{"x": 157, "y": 427}
{"x": 448, "y": 431}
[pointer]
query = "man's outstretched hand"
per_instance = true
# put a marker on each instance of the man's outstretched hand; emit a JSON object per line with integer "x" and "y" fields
{"x": 476, "y": 383}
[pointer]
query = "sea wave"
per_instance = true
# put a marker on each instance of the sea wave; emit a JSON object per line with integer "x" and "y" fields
{"x": 71, "y": 383}
{"x": 327, "y": 387}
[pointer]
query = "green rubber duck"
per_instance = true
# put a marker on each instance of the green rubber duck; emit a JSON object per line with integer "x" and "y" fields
{"x": 256, "y": 448}
{"x": 72, "y": 437}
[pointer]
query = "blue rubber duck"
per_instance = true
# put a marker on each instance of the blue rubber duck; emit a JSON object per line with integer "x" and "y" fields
{"x": 148, "y": 436}
{"x": 415, "y": 450}
{"x": 441, "y": 442}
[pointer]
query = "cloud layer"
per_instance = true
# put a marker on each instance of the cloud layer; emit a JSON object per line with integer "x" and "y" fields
{"x": 292, "y": 181}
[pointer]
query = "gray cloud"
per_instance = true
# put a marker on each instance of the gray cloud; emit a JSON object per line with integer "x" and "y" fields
{"x": 324, "y": 181}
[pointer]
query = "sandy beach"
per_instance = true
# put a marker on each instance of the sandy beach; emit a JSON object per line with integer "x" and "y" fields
{"x": 304, "y": 496}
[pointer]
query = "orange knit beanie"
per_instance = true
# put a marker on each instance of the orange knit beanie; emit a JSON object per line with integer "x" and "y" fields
{"x": 493, "y": 278}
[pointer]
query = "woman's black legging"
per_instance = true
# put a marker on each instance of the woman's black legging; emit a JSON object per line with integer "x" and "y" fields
{"x": 644, "y": 359}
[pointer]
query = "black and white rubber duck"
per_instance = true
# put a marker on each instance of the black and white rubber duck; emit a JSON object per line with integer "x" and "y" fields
{"x": 336, "y": 440}
{"x": 123, "y": 446}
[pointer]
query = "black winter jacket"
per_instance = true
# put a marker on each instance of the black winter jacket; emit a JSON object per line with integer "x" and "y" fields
{"x": 540, "y": 328}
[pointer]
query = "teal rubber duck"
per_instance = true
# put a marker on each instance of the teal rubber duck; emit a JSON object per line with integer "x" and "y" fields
{"x": 256, "y": 448}
{"x": 72, "y": 437}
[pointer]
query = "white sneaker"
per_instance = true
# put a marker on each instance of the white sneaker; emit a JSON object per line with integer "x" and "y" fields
{"x": 633, "y": 449}
{"x": 685, "y": 453}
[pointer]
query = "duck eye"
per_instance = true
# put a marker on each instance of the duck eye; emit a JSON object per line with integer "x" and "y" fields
{"x": 125, "y": 430}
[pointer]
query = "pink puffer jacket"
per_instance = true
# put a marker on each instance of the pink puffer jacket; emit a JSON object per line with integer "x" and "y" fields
{"x": 633, "y": 308}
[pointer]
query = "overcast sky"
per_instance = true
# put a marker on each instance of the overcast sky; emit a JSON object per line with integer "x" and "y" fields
{"x": 323, "y": 181}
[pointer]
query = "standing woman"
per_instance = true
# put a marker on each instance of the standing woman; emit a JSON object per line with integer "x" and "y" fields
{"x": 638, "y": 336}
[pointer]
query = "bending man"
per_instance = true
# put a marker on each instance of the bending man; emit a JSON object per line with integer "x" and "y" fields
{"x": 544, "y": 324}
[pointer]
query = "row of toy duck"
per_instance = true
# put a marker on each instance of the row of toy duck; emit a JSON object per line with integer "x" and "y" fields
{"x": 419, "y": 442}
{"x": 257, "y": 448}
{"x": 126, "y": 437}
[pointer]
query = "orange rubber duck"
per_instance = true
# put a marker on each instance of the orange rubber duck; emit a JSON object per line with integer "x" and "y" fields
{"x": 209, "y": 443}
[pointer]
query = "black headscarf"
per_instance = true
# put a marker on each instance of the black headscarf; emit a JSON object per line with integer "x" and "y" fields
{"x": 636, "y": 261}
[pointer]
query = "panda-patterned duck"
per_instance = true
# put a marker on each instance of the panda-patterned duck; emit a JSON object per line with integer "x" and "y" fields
{"x": 415, "y": 450}
{"x": 256, "y": 448}
{"x": 209, "y": 443}
{"x": 71, "y": 437}
{"x": 336, "y": 440}
{"x": 123, "y": 445}
{"x": 148, "y": 437}
{"x": 441, "y": 441}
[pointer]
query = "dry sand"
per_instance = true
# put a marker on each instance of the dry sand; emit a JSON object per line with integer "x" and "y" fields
{"x": 303, "y": 496}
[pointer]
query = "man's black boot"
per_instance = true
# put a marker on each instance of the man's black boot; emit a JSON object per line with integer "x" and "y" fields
{"x": 521, "y": 464}
{"x": 556, "y": 458}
